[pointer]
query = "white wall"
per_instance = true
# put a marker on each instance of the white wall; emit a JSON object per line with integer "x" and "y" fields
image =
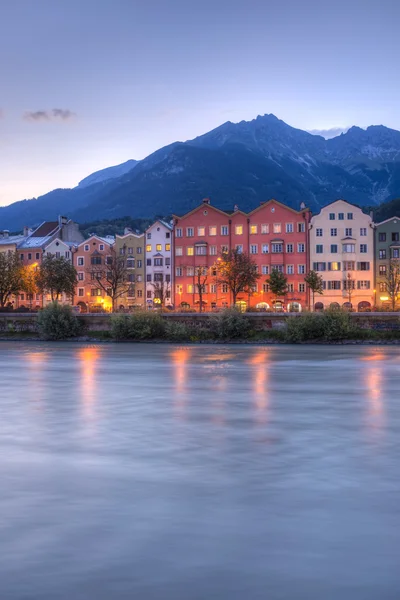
{"x": 158, "y": 235}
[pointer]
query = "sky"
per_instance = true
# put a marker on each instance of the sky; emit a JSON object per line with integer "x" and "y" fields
{"x": 86, "y": 84}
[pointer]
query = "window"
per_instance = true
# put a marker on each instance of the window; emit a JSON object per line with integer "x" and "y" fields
{"x": 37, "y": 255}
{"x": 265, "y": 287}
{"x": 395, "y": 253}
{"x": 348, "y": 232}
{"x": 302, "y": 287}
{"x": 148, "y": 262}
{"x": 253, "y": 229}
{"x": 382, "y": 269}
{"x": 158, "y": 262}
{"x": 349, "y": 265}
{"x": 122, "y": 251}
{"x": 201, "y": 250}
{"x": 101, "y": 247}
{"x": 334, "y": 266}
{"x": 363, "y": 231}
{"x": 96, "y": 292}
{"x": 383, "y": 287}
{"x": 348, "y": 248}
{"x": 253, "y": 249}
{"x": 277, "y": 248}
{"x": 301, "y": 247}
{"x": 319, "y": 266}
{"x": 333, "y": 248}
{"x": 224, "y": 230}
{"x": 168, "y": 277}
{"x": 179, "y": 288}
{"x": 331, "y": 216}
{"x": 130, "y": 263}
{"x": 190, "y": 288}
{"x": 178, "y": 271}
{"x": 290, "y": 270}
{"x": 178, "y": 251}
{"x": 190, "y": 251}
{"x": 395, "y": 236}
{"x": 349, "y": 284}
{"x": 290, "y": 287}
{"x": 131, "y": 277}
{"x": 21, "y": 256}
{"x": 139, "y": 278}
{"x": 224, "y": 249}
{"x": 265, "y": 248}
{"x": 167, "y": 235}
{"x": 148, "y": 294}
{"x": 265, "y": 270}
{"x": 277, "y": 228}
{"x": 277, "y": 268}
{"x": 363, "y": 266}
{"x": 350, "y": 216}
{"x": 334, "y": 285}
{"x": 201, "y": 231}
{"x": 95, "y": 260}
{"x": 265, "y": 228}
{"x": 363, "y": 248}
{"x": 334, "y": 232}
{"x": 301, "y": 269}
{"x": 159, "y": 247}
{"x": 239, "y": 229}
{"x": 158, "y": 277}
{"x": 239, "y": 248}
{"x": 190, "y": 271}
{"x": 148, "y": 277}
{"x": 139, "y": 250}
{"x": 341, "y": 216}
{"x": 149, "y": 236}
{"x": 319, "y": 248}
{"x": 167, "y": 247}
{"x": 167, "y": 262}
{"x": 81, "y": 276}
{"x": 382, "y": 237}
{"x": 301, "y": 227}
{"x": 212, "y": 230}
{"x": 178, "y": 232}
{"x": 80, "y": 261}
{"x": 382, "y": 254}
{"x": 81, "y": 292}
{"x": 189, "y": 231}
{"x": 289, "y": 227}
{"x": 29, "y": 256}
{"x": 319, "y": 232}
{"x": 86, "y": 247}
{"x": 289, "y": 248}
{"x": 363, "y": 285}
{"x": 148, "y": 248}
{"x": 140, "y": 293}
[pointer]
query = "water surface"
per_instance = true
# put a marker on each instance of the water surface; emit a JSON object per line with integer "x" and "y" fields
{"x": 164, "y": 472}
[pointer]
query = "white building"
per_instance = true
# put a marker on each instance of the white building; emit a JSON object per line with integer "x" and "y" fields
{"x": 59, "y": 249}
{"x": 342, "y": 252}
{"x": 159, "y": 264}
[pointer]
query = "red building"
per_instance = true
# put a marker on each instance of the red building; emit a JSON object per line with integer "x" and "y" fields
{"x": 273, "y": 234}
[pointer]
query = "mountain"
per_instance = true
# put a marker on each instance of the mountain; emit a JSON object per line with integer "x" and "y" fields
{"x": 236, "y": 163}
{"x": 109, "y": 173}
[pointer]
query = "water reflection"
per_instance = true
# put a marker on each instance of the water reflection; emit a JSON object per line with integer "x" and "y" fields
{"x": 88, "y": 360}
{"x": 374, "y": 382}
{"x": 260, "y": 384}
{"x": 180, "y": 364}
{"x": 35, "y": 362}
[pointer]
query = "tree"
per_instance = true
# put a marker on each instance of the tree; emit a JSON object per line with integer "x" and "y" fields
{"x": 392, "y": 281}
{"x": 315, "y": 283}
{"x": 162, "y": 291}
{"x": 29, "y": 282}
{"x": 277, "y": 283}
{"x": 111, "y": 277}
{"x": 56, "y": 276}
{"x": 349, "y": 286}
{"x": 238, "y": 271}
{"x": 10, "y": 276}
{"x": 199, "y": 281}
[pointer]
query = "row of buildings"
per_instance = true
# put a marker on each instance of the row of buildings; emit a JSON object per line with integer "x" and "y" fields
{"x": 342, "y": 243}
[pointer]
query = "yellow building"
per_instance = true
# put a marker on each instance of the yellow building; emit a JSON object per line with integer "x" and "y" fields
{"x": 131, "y": 246}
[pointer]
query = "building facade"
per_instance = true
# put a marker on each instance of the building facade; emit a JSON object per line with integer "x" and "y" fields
{"x": 387, "y": 249}
{"x": 274, "y": 235}
{"x": 90, "y": 259}
{"x": 342, "y": 252}
{"x": 131, "y": 246}
{"x": 159, "y": 266}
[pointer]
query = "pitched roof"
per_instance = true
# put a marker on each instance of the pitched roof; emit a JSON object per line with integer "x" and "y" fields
{"x": 45, "y": 229}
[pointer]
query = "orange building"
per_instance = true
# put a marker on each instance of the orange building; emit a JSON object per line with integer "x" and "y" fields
{"x": 92, "y": 252}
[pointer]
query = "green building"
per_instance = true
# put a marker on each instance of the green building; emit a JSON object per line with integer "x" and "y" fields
{"x": 387, "y": 248}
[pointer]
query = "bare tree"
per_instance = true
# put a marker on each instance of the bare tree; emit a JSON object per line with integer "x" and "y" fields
{"x": 162, "y": 291}
{"x": 392, "y": 281}
{"x": 110, "y": 274}
{"x": 349, "y": 285}
{"x": 238, "y": 271}
{"x": 200, "y": 278}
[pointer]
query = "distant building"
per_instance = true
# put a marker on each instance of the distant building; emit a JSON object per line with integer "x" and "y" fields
{"x": 89, "y": 256}
{"x": 131, "y": 246}
{"x": 342, "y": 252}
{"x": 159, "y": 264}
{"x": 387, "y": 248}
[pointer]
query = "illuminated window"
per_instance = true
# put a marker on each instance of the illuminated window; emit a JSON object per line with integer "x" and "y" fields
{"x": 190, "y": 288}
{"x": 201, "y": 231}
{"x": 265, "y": 228}
{"x": 159, "y": 247}
{"x": 224, "y": 249}
{"x": 334, "y": 266}
{"x": 167, "y": 247}
{"x": 253, "y": 229}
{"x": 190, "y": 251}
{"x": 277, "y": 228}
{"x": 382, "y": 269}
{"x": 382, "y": 287}
{"x": 148, "y": 248}
{"x": 239, "y": 229}
{"x": 212, "y": 230}
{"x": 179, "y": 288}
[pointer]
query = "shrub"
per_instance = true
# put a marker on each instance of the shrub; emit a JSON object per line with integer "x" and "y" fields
{"x": 331, "y": 325}
{"x": 138, "y": 326}
{"x": 230, "y": 324}
{"x": 176, "y": 331}
{"x": 57, "y": 322}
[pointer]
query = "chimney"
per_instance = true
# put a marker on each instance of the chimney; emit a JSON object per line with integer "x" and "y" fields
{"x": 26, "y": 231}
{"x": 206, "y": 201}
{"x": 302, "y": 206}
{"x": 236, "y": 208}
{"x": 5, "y": 233}
{"x": 127, "y": 230}
{"x": 62, "y": 220}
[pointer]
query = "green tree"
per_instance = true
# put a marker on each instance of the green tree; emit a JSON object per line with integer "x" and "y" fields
{"x": 56, "y": 276}
{"x": 315, "y": 283}
{"x": 11, "y": 272}
{"x": 29, "y": 282}
{"x": 277, "y": 283}
{"x": 238, "y": 271}
{"x": 392, "y": 281}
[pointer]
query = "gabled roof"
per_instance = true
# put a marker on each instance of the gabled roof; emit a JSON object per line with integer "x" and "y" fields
{"x": 387, "y": 221}
{"x": 199, "y": 207}
{"x": 107, "y": 240}
{"x": 34, "y": 242}
{"x": 272, "y": 200}
{"x": 164, "y": 223}
{"x": 46, "y": 228}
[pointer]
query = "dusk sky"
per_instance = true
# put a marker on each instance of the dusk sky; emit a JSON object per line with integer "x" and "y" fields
{"x": 86, "y": 84}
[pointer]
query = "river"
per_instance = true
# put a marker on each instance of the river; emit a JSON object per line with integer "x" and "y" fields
{"x": 167, "y": 472}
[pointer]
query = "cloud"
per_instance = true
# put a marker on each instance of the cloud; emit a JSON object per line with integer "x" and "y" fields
{"x": 329, "y": 133}
{"x": 55, "y": 114}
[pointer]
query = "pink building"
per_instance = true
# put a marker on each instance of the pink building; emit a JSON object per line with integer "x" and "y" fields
{"x": 273, "y": 234}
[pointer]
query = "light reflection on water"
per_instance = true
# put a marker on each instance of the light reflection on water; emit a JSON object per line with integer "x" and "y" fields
{"x": 175, "y": 497}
